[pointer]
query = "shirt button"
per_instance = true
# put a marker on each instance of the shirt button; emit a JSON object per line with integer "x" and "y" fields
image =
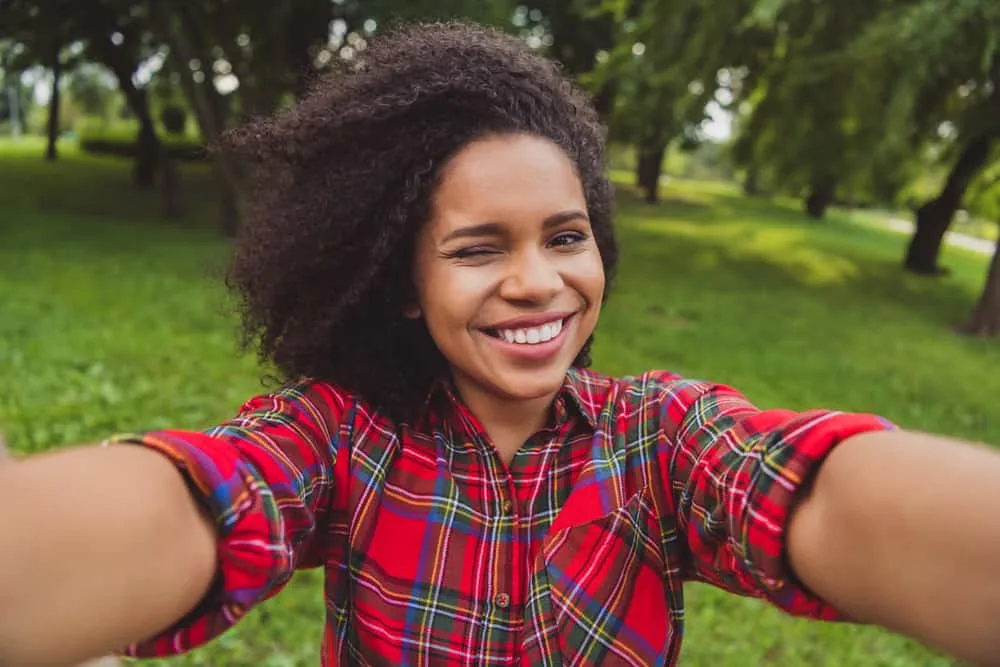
{"x": 508, "y": 507}
{"x": 502, "y": 600}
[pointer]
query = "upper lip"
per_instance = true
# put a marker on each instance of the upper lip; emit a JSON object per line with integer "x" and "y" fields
{"x": 529, "y": 321}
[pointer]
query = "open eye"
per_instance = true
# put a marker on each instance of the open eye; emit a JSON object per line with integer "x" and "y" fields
{"x": 564, "y": 239}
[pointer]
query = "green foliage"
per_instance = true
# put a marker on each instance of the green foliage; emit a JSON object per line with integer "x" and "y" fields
{"x": 812, "y": 121}
{"x": 856, "y": 92}
{"x": 942, "y": 61}
{"x": 490, "y": 12}
{"x": 984, "y": 199}
{"x": 653, "y": 64}
{"x": 93, "y": 89}
{"x": 938, "y": 65}
{"x": 113, "y": 319}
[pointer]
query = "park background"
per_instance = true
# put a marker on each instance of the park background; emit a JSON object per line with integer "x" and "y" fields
{"x": 807, "y": 197}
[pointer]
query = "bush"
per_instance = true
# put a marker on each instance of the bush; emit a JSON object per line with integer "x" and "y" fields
{"x": 174, "y": 119}
{"x": 119, "y": 139}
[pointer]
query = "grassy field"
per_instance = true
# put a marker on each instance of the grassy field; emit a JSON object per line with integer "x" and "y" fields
{"x": 113, "y": 318}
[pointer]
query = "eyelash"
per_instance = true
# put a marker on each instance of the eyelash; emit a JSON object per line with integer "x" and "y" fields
{"x": 571, "y": 239}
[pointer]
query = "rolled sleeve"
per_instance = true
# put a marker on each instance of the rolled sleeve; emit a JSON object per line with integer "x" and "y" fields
{"x": 736, "y": 471}
{"x": 267, "y": 478}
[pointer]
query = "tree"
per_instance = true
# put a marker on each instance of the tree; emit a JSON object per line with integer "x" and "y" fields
{"x": 575, "y": 33}
{"x": 943, "y": 72}
{"x": 42, "y": 30}
{"x": 813, "y": 123}
{"x": 672, "y": 58}
{"x": 234, "y": 60}
{"x": 93, "y": 88}
{"x": 113, "y": 34}
{"x": 14, "y": 98}
{"x": 120, "y": 38}
{"x": 985, "y": 318}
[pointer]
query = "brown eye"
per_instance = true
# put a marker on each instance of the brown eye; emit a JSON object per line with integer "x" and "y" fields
{"x": 567, "y": 239}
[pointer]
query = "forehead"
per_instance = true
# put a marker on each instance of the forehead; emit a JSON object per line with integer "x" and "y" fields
{"x": 506, "y": 178}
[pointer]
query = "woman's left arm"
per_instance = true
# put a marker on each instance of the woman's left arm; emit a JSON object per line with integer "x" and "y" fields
{"x": 902, "y": 530}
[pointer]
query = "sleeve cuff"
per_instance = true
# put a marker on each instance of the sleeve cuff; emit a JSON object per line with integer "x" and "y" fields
{"x": 788, "y": 463}
{"x": 252, "y": 557}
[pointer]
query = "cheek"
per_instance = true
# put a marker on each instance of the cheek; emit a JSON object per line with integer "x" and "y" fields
{"x": 589, "y": 277}
{"x": 451, "y": 297}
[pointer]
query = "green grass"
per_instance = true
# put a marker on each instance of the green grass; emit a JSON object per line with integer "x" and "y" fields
{"x": 114, "y": 319}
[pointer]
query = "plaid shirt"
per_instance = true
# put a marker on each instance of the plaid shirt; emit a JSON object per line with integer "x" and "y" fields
{"x": 436, "y": 552}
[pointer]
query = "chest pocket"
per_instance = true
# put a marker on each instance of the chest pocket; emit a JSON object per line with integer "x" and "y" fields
{"x": 607, "y": 590}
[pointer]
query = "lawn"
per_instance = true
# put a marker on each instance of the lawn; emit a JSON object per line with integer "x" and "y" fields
{"x": 113, "y": 318}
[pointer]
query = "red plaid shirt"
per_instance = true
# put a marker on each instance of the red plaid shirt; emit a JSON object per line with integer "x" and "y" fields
{"x": 436, "y": 552}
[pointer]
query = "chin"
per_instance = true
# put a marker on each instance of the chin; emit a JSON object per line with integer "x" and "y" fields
{"x": 532, "y": 385}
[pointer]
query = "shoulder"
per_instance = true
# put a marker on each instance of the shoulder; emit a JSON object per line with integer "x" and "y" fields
{"x": 649, "y": 396}
{"x": 650, "y": 386}
{"x": 319, "y": 401}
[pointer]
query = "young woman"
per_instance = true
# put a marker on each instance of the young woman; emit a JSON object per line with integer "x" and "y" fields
{"x": 429, "y": 248}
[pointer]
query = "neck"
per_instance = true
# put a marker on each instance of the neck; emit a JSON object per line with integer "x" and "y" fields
{"x": 508, "y": 422}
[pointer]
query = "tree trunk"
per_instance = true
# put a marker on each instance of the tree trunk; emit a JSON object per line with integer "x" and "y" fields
{"x": 147, "y": 155}
{"x": 820, "y": 197}
{"x": 985, "y": 319}
{"x": 119, "y": 59}
{"x": 51, "y": 152}
{"x": 750, "y": 186}
{"x": 648, "y": 169}
{"x": 14, "y": 104}
{"x": 210, "y": 109}
{"x": 934, "y": 217}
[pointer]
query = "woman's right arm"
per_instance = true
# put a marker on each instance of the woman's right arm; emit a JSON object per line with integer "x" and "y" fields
{"x": 100, "y": 546}
{"x": 162, "y": 544}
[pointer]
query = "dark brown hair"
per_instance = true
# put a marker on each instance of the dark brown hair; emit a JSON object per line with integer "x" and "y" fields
{"x": 322, "y": 266}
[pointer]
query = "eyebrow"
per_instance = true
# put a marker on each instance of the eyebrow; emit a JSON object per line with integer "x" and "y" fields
{"x": 494, "y": 228}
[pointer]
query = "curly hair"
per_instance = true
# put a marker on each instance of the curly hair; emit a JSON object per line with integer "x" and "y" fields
{"x": 344, "y": 180}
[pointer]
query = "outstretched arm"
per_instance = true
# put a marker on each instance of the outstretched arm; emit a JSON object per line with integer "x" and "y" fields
{"x": 106, "y": 547}
{"x": 902, "y": 530}
{"x": 838, "y": 516}
{"x": 105, "y": 544}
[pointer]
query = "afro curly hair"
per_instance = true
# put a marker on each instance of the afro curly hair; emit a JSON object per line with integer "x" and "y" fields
{"x": 322, "y": 266}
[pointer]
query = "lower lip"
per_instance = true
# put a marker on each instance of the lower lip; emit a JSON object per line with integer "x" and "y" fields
{"x": 536, "y": 352}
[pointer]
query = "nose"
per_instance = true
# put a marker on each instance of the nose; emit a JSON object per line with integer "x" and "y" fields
{"x": 532, "y": 277}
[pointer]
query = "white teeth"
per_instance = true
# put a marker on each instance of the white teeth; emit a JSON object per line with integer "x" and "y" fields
{"x": 532, "y": 336}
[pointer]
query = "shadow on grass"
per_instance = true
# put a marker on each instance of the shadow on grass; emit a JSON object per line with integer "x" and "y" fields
{"x": 89, "y": 186}
{"x": 732, "y": 243}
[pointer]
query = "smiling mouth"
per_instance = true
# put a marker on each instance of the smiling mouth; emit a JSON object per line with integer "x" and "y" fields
{"x": 530, "y": 335}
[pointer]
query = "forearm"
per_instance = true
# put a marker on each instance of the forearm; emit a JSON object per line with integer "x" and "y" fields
{"x": 101, "y": 547}
{"x": 903, "y": 530}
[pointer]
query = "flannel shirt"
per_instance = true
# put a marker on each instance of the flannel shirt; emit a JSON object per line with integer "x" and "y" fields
{"x": 437, "y": 553}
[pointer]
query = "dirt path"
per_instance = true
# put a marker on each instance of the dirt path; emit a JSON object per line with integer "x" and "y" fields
{"x": 981, "y": 246}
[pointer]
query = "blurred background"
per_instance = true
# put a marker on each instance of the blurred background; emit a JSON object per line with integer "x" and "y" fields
{"x": 808, "y": 197}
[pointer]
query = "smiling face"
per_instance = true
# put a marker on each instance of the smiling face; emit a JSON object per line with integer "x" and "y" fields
{"x": 508, "y": 276}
